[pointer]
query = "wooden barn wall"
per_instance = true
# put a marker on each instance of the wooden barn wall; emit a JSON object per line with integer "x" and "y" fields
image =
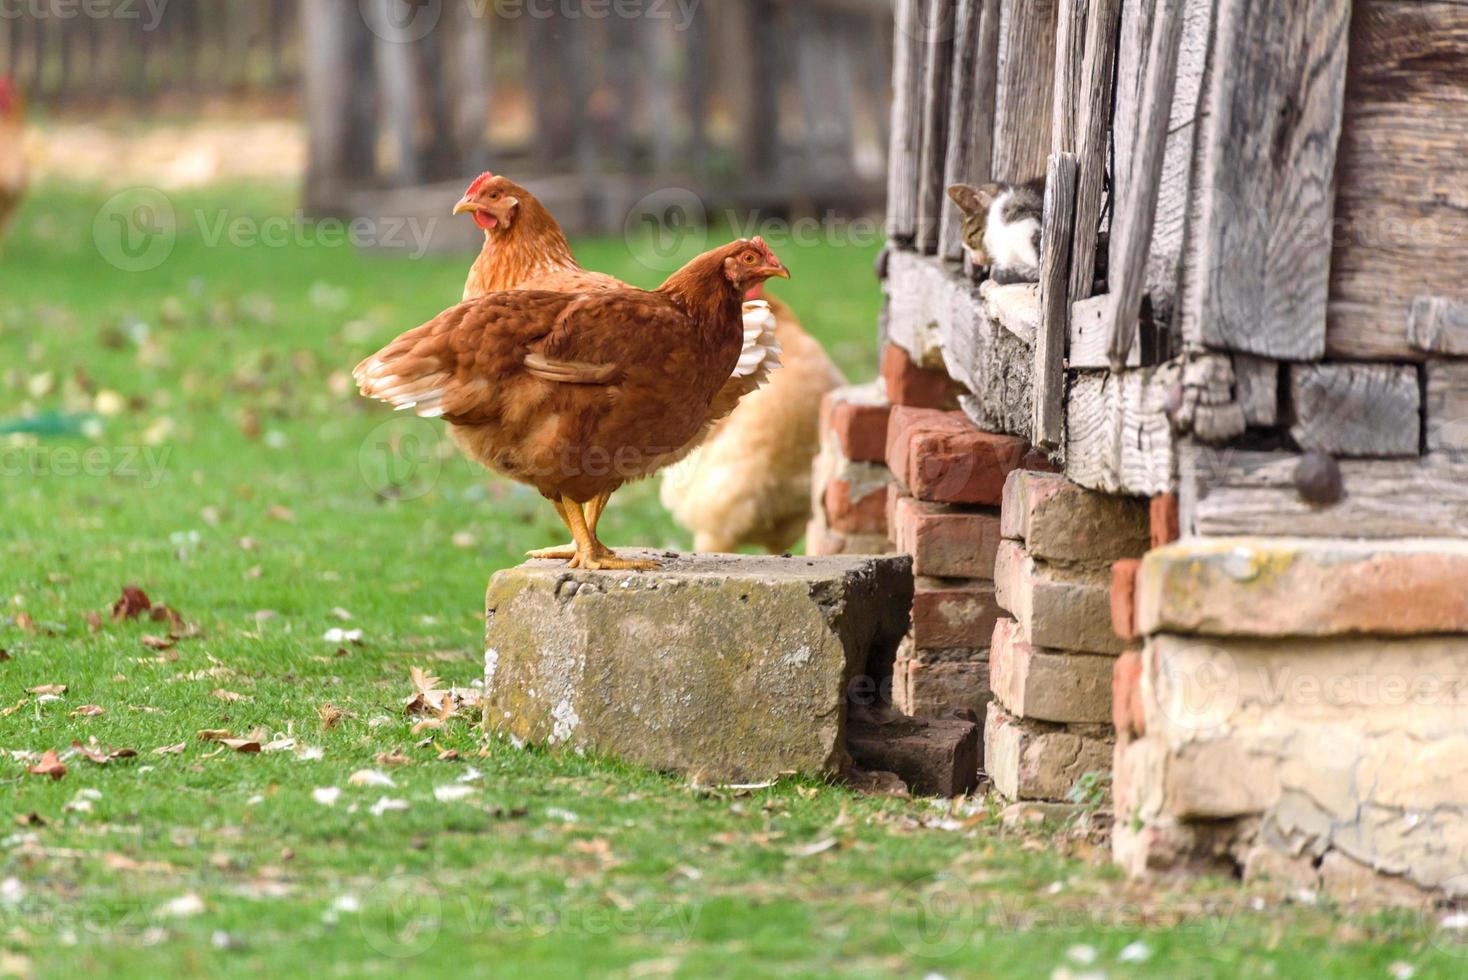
{"x": 1401, "y": 227}
{"x": 1024, "y": 99}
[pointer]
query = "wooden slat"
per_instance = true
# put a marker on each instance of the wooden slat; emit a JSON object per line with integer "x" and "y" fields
{"x": 1089, "y": 335}
{"x": 1269, "y": 166}
{"x": 1447, "y": 406}
{"x": 1058, "y": 229}
{"x": 1136, "y": 211}
{"x": 1118, "y": 438}
{"x": 1256, "y": 384}
{"x": 937, "y": 77}
{"x": 1070, "y": 49}
{"x": 1093, "y": 111}
{"x": 903, "y": 178}
{"x": 1401, "y": 212}
{"x": 1025, "y": 89}
{"x": 1229, "y": 492}
{"x": 1438, "y": 325}
{"x": 1356, "y": 409}
{"x": 971, "y": 119}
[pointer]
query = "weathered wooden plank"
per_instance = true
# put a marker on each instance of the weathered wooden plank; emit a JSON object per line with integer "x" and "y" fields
{"x": 1447, "y": 406}
{"x": 1136, "y": 211}
{"x": 1269, "y": 165}
{"x": 1089, "y": 335}
{"x": 905, "y": 152}
{"x": 1438, "y": 325}
{"x": 1093, "y": 112}
{"x": 1401, "y": 215}
{"x": 1070, "y": 51}
{"x": 937, "y": 77}
{"x": 1025, "y": 89}
{"x": 1133, "y": 45}
{"x": 1058, "y": 229}
{"x": 971, "y": 119}
{"x": 1226, "y": 492}
{"x": 1256, "y": 386}
{"x": 940, "y": 317}
{"x": 1118, "y": 436}
{"x": 1356, "y": 409}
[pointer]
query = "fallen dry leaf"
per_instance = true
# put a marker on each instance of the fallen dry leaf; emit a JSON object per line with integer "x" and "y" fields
{"x": 100, "y": 755}
{"x": 212, "y": 734}
{"x": 169, "y": 615}
{"x": 157, "y": 642}
{"x": 50, "y": 765}
{"x": 131, "y": 604}
{"x": 25, "y": 623}
{"x": 89, "y": 711}
{"x": 224, "y": 695}
{"x": 47, "y": 689}
{"x": 246, "y": 745}
{"x": 171, "y": 749}
{"x": 330, "y": 715}
{"x": 392, "y": 759}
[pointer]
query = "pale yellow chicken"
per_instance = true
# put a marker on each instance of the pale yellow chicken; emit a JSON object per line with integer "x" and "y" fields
{"x": 750, "y": 481}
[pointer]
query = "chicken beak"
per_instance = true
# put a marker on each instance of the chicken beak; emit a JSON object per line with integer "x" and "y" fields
{"x": 467, "y": 206}
{"x": 778, "y": 272}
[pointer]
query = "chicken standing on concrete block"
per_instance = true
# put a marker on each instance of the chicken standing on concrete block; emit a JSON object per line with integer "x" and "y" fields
{"x": 750, "y": 482}
{"x": 578, "y": 393}
{"x": 524, "y": 248}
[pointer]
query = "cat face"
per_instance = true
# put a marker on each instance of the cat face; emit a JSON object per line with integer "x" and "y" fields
{"x": 974, "y": 203}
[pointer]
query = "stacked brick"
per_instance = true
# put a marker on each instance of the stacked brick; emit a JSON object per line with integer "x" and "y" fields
{"x": 1052, "y": 658}
{"x": 849, "y": 489}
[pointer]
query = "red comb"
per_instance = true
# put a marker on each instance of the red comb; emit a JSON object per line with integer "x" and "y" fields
{"x": 479, "y": 182}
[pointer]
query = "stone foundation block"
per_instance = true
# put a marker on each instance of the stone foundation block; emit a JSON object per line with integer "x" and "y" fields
{"x": 941, "y": 457}
{"x": 933, "y": 756}
{"x": 1048, "y": 685}
{"x": 953, "y": 613}
{"x": 1059, "y": 608}
{"x": 1061, "y": 521}
{"x": 911, "y": 384}
{"x": 945, "y": 541}
{"x": 729, "y": 668}
{"x": 855, "y": 417}
{"x": 1032, "y": 760}
{"x": 1270, "y": 587}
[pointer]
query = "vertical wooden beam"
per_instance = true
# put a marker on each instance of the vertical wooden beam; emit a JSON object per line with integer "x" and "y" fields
{"x": 472, "y": 90}
{"x": 401, "y": 98}
{"x": 1269, "y": 167}
{"x": 971, "y": 115}
{"x": 937, "y": 76}
{"x": 1070, "y": 50}
{"x": 1136, "y": 212}
{"x": 1056, "y": 236}
{"x": 1025, "y": 89}
{"x": 1093, "y": 116}
{"x": 907, "y": 127}
{"x": 339, "y": 93}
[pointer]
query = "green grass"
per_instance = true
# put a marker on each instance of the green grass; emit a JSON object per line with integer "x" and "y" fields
{"x": 554, "y": 865}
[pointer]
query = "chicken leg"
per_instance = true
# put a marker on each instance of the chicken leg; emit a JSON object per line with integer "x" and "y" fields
{"x": 568, "y": 552}
{"x": 591, "y": 554}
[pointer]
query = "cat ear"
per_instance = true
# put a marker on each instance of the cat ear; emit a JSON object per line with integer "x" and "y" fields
{"x": 988, "y": 194}
{"x": 967, "y": 197}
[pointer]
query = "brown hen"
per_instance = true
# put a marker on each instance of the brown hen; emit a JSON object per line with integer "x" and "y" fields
{"x": 578, "y": 393}
{"x": 524, "y": 248}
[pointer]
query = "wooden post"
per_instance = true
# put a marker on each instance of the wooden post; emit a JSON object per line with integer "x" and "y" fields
{"x": 1093, "y": 115}
{"x": 907, "y": 129}
{"x": 472, "y": 91}
{"x": 1070, "y": 43}
{"x": 400, "y": 94}
{"x": 1056, "y": 236}
{"x": 937, "y": 76}
{"x": 971, "y": 115}
{"x": 1136, "y": 212}
{"x": 339, "y": 96}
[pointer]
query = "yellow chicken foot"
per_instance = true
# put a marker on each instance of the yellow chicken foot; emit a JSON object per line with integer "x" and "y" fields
{"x": 567, "y": 552}
{"x": 591, "y": 554}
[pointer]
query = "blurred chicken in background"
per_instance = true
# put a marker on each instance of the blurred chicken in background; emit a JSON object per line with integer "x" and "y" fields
{"x": 750, "y": 482}
{"x": 12, "y": 153}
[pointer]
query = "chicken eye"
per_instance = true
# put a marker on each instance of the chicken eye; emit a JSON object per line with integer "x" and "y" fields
{"x": 495, "y": 196}
{"x": 749, "y": 258}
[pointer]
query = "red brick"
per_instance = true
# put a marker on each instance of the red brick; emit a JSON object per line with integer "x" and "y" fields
{"x": 940, "y": 683}
{"x": 1165, "y": 526}
{"x": 858, "y": 422}
{"x": 856, "y": 509}
{"x": 1126, "y": 696}
{"x": 949, "y": 615}
{"x": 944, "y": 541}
{"x": 943, "y": 458}
{"x": 911, "y": 384}
{"x": 1124, "y": 598}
